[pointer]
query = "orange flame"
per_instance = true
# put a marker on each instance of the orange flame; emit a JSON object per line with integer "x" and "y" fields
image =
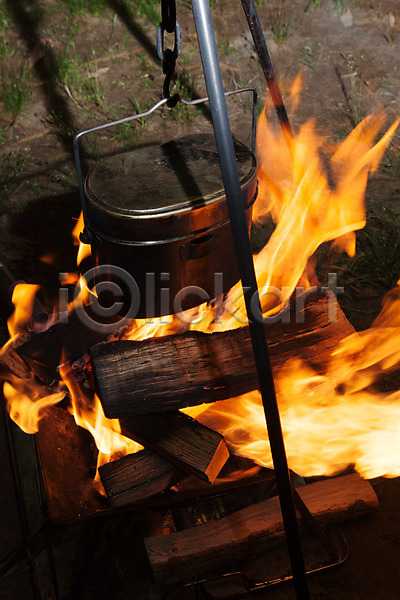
{"x": 329, "y": 421}
{"x": 26, "y": 400}
{"x": 88, "y": 413}
{"x": 49, "y": 258}
{"x": 307, "y": 208}
{"x": 311, "y": 203}
{"x": 23, "y": 298}
{"x": 333, "y": 421}
{"x": 84, "y": 250}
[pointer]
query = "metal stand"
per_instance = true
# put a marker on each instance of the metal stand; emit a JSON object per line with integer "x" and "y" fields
{"x": 267, "y": 67}
{"x": 248, "y": 586}
{"x": 36, "y": 528}
{"x": 212, "y": 74}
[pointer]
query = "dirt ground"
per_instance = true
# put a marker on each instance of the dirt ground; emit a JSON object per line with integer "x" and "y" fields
{"x": 65, "y": 68}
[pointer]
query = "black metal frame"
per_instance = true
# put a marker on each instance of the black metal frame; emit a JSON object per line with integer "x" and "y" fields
{"x": 337, "y": 545}
{"x": 36, "y": 532}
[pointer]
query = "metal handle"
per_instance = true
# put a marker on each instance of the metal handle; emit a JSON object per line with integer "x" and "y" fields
{"x": 86, "y": 235}
{"x": 199, "y": 247}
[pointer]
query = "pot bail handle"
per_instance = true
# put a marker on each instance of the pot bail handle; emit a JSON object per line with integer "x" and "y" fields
{"x": 86, "y": 235}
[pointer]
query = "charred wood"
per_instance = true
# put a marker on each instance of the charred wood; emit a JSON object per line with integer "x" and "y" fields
{"x": 138, "y": 476}
{"x": 68, "y": 457}
{"x": 163, "y": 374}
{"x": 180, "y": 440}
{"x": 68, "y": 340}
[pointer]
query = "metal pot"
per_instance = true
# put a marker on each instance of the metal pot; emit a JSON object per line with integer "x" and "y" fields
{"x": 159, "y": 213}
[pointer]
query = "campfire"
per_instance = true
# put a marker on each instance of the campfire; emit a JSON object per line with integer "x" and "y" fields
{"x": 166, "y": 396}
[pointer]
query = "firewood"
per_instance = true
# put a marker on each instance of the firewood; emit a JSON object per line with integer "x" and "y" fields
{"x": 138, "y": 476}
{"x": 181, "y": 440}
{"x": 70, "y": 339}
{"x": 12, "y": 364}
{"x": 68, "y": 457}
{"x": 253, "y": 530}
{"x": 163, "y": 374}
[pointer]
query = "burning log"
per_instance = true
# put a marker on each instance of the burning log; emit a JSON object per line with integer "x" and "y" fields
{"x": 67, "y": 456}
{"x": 42, "y": 351}
{"x": 162, "y": 374}
{"x": 180, "y": 440}
{"x": 253, "y": 530}
{"x": 174, "y": 438}
{"x": 10, "y": 361}
{"x": 138, "y": 476}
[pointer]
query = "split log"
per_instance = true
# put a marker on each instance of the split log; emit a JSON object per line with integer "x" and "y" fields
{"x": 138, "y": 476}
{"x": 68, "y": 458}
{"x": 10, "y": 361}
{"x": 161, "y": 374}
{"x": 181, "y": 440}
{"x": 251, "y": 531}
{"x": 12, "y": 364}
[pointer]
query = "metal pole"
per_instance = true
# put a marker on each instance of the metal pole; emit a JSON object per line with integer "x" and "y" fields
{"x": 212, "y": 74}
{"x": 267, "y": 67}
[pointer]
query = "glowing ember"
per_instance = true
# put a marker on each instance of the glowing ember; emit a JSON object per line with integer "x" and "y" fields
{"x": 329, "y": 421}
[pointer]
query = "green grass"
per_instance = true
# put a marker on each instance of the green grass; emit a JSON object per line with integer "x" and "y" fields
{"x": 12, "y": 167}
{"x": 80, "y": 82}
{"x": 145, "y": 69}
{"x": 128, "y": 134}
{"x": 14, "y": 91}
{"x": 281, "y": 22}
{"x": 81, "y": 7}
{"x": 339, "y": 6}
{"x": 377, "y": 262}
{"x": 306, "y": 58}
{"x": 146, "y": 9}
{"x": 4, "y": 24}
{"x": 89, "y": 145}
{"x": 353, "y": 96}
{"x": 61, "y": 127}
{"x": 228, "y": 48}
{"x": 135, "y": 103}
{"x": 182, "y": 85}
{"x": 66, "y": 177}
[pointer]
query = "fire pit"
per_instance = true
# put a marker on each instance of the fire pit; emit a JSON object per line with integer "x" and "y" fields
{"x": 111, "y": 244}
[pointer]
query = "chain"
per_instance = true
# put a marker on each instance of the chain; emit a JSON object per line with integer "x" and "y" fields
{"x": 169, "y": 24}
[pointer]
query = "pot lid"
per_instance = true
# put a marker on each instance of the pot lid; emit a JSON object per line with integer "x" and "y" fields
{"x": 179, "y": 175}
